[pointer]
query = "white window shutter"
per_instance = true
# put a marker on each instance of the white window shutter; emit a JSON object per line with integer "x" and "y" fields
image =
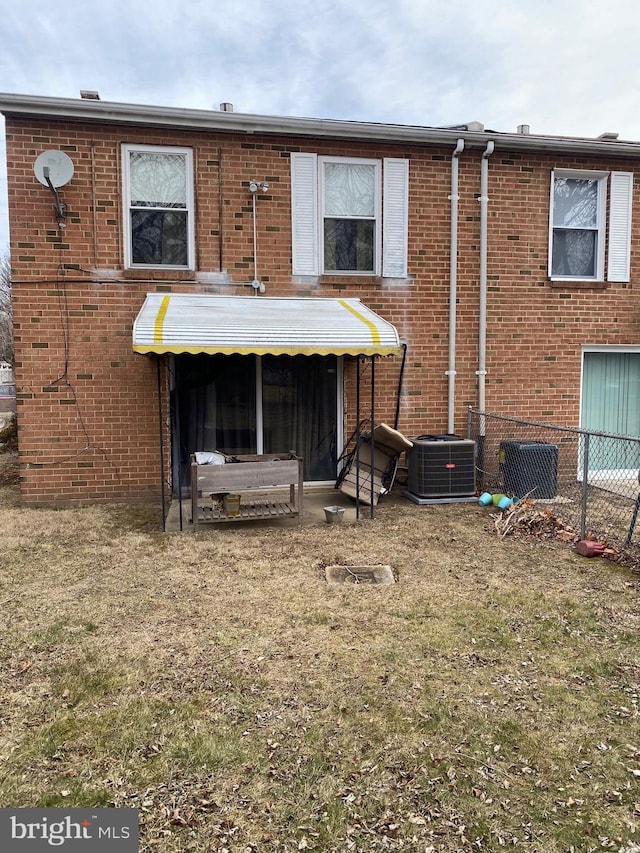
{"x": 304, "y": 213}
{"x": 620, "y": 207}
{"x": 395, "y": 218}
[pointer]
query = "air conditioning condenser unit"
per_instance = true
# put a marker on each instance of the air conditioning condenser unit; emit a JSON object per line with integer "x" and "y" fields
{"x": 441, "y": 466}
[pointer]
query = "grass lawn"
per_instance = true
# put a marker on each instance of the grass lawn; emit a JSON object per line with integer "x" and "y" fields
{"x": 489, "y": 700}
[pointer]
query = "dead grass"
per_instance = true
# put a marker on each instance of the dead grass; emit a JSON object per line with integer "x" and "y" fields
{"x": 490, "y": 699}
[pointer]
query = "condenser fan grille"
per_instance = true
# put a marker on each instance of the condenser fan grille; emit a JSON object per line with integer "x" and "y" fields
{"x": 442, "y": 466}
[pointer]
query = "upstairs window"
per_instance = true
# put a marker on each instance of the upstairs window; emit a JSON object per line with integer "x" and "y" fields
{"x": 578, "y": 225}
{"x": 158, "y": 206}
{"x": 349, "y": 215}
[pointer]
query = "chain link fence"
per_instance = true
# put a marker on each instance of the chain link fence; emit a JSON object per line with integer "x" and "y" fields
{"x": 590, "y": 479}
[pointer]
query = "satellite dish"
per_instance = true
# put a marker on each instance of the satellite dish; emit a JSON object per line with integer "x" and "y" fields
{"x": 59, "y": 168}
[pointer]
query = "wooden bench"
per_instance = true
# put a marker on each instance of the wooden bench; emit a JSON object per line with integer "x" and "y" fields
{"x": 260, "y": 480}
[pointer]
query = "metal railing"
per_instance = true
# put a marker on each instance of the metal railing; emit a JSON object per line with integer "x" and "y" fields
{"x": 589, "y": 478}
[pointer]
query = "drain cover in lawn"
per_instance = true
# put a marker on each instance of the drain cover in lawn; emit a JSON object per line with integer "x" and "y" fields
{"x": 359, "y": 574}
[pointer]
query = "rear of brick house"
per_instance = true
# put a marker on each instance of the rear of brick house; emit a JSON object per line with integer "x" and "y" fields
{"x": 535, "y": 237}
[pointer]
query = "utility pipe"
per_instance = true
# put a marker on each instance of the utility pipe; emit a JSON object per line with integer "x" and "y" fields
{"x": 482, "y": 314}
{"x": 453, "y": 284}
{"x": 482, "y": 311}
{"x": 255, "y": 239}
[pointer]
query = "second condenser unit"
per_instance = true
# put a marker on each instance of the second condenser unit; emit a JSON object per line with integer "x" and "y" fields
{"x": 529, "y": 468}
{"x": 441, "y": 466}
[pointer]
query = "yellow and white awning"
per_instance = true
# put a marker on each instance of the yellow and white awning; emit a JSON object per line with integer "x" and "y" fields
{"x": 260, "y": 325}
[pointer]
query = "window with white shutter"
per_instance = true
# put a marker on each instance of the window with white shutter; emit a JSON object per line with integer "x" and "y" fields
{"x": 578, "y": 225}
{"x": 349, "y": 215}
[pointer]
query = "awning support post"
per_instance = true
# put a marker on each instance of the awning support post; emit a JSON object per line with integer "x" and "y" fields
{"x": 373, "y": 426}
{"x": 396, "y": 420}
{"x": 178, "y": 441}
{"x": 162, "y": 498}
{"x": 358, "y": 436}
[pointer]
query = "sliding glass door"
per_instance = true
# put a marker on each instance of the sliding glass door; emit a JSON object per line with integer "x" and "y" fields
{"x": 299, "y": 410}
{"x": 249, "y": 404}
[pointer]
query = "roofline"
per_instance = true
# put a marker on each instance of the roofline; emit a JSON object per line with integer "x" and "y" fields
{"x": 89, "y": 110}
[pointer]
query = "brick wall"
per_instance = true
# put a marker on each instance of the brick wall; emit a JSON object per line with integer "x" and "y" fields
{"x": 88, "y": 409}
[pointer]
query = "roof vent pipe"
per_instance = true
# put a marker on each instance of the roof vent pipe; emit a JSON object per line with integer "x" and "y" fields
{"x": 226, "y": 107}
{"x": 453, "y": 284}
{"x": 524, "y": 129}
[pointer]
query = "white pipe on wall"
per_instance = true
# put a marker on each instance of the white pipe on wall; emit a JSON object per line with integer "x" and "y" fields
{"x": 482, "y": 314}
{"x": 453, "y": 285}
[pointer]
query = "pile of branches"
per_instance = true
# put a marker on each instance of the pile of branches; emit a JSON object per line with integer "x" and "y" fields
{"x": 525, "y": 519}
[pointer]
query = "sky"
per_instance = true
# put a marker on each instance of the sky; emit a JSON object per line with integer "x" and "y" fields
{"x": 564, "y": 67}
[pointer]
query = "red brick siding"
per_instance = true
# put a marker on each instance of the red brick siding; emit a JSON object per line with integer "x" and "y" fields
{"x": 88, "y": 406}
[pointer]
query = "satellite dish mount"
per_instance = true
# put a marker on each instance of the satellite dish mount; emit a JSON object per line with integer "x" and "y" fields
{"x": 55, "y": 169}
{"x": 61, "y": 209}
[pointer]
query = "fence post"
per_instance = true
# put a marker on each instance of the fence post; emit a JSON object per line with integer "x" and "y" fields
{"x": 585, "y": 485}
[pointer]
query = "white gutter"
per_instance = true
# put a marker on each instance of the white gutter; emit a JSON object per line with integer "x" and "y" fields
{"x": 79, "y": 109}
{"x": 453, "y": 284}
{"x": 482, "y": 314}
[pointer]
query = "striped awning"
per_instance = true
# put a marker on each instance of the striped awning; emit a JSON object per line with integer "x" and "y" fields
{"x": 260, "y": 325}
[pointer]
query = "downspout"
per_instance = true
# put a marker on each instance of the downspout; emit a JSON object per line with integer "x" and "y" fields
{"x": 482, "y": 312}
{"x": 482, "y": 315}
{"x": 453, "y": 284}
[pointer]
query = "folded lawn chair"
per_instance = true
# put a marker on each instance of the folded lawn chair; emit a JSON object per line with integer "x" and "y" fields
{"x": 384, "y": 447}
